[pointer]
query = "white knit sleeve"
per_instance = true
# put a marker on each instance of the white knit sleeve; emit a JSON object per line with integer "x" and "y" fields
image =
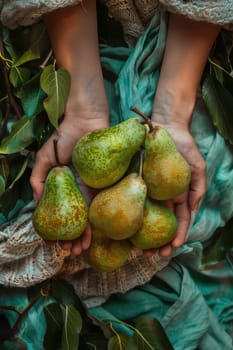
{"x": 25, "y": 259}
{"x": 214, "y": 11}
{"x": 22, "y": 13}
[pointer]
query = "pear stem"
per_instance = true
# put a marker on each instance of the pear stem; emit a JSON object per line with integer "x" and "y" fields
{"x": 55, "y": 141}
{"x": 145, "y": 117}
{"x": 141, "y": 162}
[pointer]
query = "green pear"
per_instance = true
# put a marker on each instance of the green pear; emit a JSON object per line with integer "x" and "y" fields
{"x": 165, "y": 171}
{"x": 62, "y": 212}
{"x": 105, "y": 254}
{"x": 102, "y": 157}
{"x": 117, "y": 211}
{"x": 158, "y": 228}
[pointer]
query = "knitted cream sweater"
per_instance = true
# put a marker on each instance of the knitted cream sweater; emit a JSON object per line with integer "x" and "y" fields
{"x": 133, "y": 14}
{"x": 24, "y": 258}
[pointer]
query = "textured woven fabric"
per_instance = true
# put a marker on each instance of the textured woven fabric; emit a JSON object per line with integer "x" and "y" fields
{"x": 214, "y": 11}
{"x": 26, "y": 260}
{"x": 19, "y": 12}
{"x": 134, "y": 15}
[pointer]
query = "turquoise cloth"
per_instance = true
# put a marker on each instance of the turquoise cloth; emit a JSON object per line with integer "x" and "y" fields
{"x": 183, "y": 304}
{"x": 32, "y": 329}
{"x": 195, "y": 307}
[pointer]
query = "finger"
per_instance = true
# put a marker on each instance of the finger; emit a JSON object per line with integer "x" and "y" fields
{"x": 182, "y": 212}
{"x": 149, "y": 252}
{"x": 170, "y": 204}
{"x": 66, "y": 245}
{"x": 37, "y": 179}
{"x": 165, "y": 251}
{"x": 197, "y": 185}
{"x": 76, "y": 247}
{"x": 86, "y": 238}
{"x": 45, "y": 159}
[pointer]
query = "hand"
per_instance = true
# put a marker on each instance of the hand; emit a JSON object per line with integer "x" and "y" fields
{"x": 186, "y": 203}
{"x": 70, "y": 130}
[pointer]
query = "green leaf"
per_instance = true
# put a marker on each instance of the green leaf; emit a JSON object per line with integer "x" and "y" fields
{"x": 31, "y": 96}
{"x": 221, "y": 75}
{"x": 8, "y": 45}
{"x": 53, "y": 316}
{"x": 222, "y": 50}
{"x": 56, "y": 84}
{"x": 2, "y": 185}
{"x": 38, "y": 39}
{"x": 19, "y": 75}
{"x": 19, "y": 174}
{"x": 150, "y": 335}
{"x": 219, "y": 102}
{"x": 62, "y": 291}
{"x": 20, "y": 137}
{"x": 72, "y": 325}
{"x": 4, "y": 168}
{"x": 122, "y": 341}
{"x": 96, "y": 340}
{"x": 27, "y": 56}
{"x": 219, "y": 246}
{"x": 42, "y": 129}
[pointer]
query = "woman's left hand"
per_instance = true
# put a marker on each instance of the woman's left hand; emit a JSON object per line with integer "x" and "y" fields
{"x": 185, "y": 205}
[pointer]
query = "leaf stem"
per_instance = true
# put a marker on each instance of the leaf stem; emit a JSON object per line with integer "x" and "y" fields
{"x": 47, "y": 58}
{"x": 40, "y": 294}
{"x": 10, "y": 308}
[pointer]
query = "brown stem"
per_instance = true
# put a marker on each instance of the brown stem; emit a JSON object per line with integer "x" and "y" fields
{"x": 55, "y": 141}
{"x": 145, "y": 117}
{"x": 10, "y": 308}
{"x": 43, "y": 292}
{"x": 11, "y": 98}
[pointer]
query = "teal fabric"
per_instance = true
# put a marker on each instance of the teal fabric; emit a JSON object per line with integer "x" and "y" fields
{"x": 196, "y": 310}
{"x": 32, "y": 329}
{"x": 194, "y": 306}
{"x": 183, "y": 302}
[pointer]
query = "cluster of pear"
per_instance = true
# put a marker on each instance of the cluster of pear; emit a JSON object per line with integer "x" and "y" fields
{"x": 129, "y": 209}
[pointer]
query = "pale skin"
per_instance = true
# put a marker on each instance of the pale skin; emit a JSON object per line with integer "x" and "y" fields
{"x": 76, "y": 49}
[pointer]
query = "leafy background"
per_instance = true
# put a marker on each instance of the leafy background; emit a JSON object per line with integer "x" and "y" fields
{"x": 33, "y": 93}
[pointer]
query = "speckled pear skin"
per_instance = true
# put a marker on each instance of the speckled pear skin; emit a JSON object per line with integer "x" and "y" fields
{"x": 158, "y": 228}
{"x": 165, "y": 171}
{"x": 62, "y": 212}
{"x": 118, "y": 210}
{"x": 102, "y": 157}
{"x": 105, "y": 254}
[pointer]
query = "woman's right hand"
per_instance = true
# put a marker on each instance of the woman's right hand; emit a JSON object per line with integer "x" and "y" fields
{"x": 74, "y": 38}
{"x": 68, "y": 133}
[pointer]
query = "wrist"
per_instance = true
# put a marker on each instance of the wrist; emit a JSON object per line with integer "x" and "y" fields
{"x": 173, "y": 106}
{"x": 78, "y": 123}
